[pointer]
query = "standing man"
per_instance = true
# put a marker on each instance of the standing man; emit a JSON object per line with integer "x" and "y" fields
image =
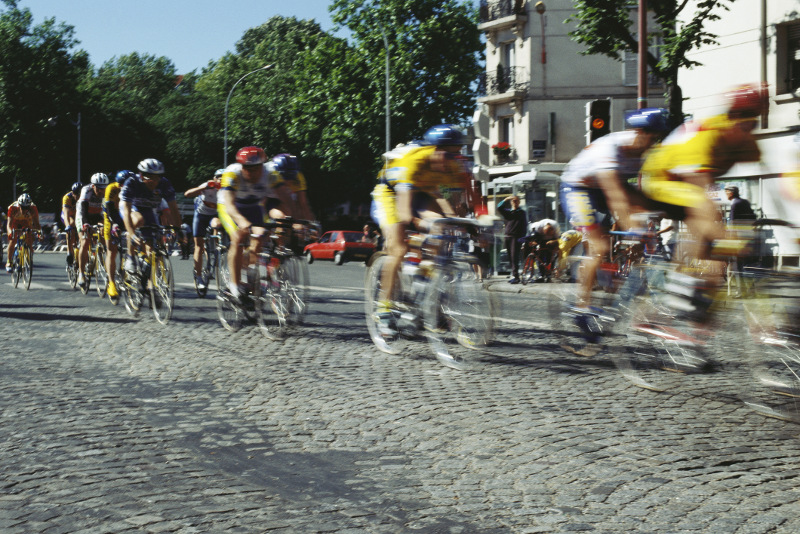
{"x": 516, "y": 224}
{"x": 740, "y": 207}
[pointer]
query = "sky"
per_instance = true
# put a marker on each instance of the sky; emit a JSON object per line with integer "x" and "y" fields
{"x": 189, "y": 32}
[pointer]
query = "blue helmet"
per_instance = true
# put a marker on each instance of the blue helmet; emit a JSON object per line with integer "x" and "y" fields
{"x": 444, "y": 135}
{"x": 76, "y": 188}
{"x": 286, "y": 163}
{"x": 124, "y": 175}
{"x": 219, "y": 172}
{"x": 650, "y": 119}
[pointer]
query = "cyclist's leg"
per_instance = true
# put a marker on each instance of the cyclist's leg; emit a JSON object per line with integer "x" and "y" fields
{"x": 199, "y": 225}
{"x": 12, "y": 244}
{"x": 85, "y": 237}
{"x": 111, "y": 258}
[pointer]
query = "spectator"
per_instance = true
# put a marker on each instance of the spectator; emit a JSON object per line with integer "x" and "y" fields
{"x": 669, "y": 237}
{"x": 516, "y": 223}
{"x": 740, "y": 207}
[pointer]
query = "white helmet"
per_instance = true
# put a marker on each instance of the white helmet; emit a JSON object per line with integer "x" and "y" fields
{"x": 24, "y": 200}
{"x": 151, "y": 166}
{"x": 99, "y": 179}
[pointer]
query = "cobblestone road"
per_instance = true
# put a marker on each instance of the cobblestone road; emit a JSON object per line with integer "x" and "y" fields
{"x": 113, "y": 424}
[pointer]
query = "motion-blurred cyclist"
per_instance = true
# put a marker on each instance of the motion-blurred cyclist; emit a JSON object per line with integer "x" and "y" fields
{"x": 205, "y": 215}
{"x": 89, "y": 213}
{"x": 22, "y": 214}
{"x": 68, "y": 211}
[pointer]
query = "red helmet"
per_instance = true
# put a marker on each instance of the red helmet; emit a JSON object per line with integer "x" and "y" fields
{"x": 748, "y": 101}
{"x": 251, "y": 155}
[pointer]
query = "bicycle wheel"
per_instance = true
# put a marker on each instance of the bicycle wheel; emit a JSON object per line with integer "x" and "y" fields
{"x": 773, "y": 346}
{"x": 16, "y": 271}
{"x": 528, "y": 269}
{"x": 162, "y": 288}
{"x": 88, "y": 271}
{"x": 222, "y": 274}
{"x": 132, "y": 291}
{"x": 26, "y": 264}
{"x": 459, "y": 315}
{"x": 272, "y": 299}
{"x": 100, "y": 272}
{"x": 72, "y": 271}
{"x": 392, "y": 340}
{"x": 297, "y": 280}
{"x": 661, "y": 345}
{"x": 204, "y": 275}
{"x": 228, "y": 311}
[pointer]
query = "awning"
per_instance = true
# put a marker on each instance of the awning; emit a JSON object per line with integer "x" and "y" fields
{"x": 526, "y": 178}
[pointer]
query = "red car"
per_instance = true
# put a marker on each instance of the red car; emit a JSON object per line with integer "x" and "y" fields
{"x": 339, "y": 246}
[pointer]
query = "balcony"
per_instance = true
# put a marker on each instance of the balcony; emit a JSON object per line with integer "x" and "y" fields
{"x": 495, "y": 15}
{"x": 503, "y": 85}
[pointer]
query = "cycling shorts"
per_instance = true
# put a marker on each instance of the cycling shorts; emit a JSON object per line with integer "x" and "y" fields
{"x": 200, "y": 223}
{"x": 384, "y": 205}
{"x": 91, "y": 219}
{"x": 253, "y": 213}
{"x": 585, "y": 208}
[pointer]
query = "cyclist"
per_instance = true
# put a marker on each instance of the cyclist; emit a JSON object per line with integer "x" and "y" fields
{"x": 112, "y": 224}
{"x": 68, "y": 206}
{"x": 139, "y": 199}
{"x": 408, "y": 193}
{"x": 595, "y": 185}
{"x": 246, "y": 197}
{"x": 22, "y": 214}
{"x": 205, "y": 215}
{"x": 89, "y": 212}
{"x": 286, "y": 169}
{"x": 678, "y": 172}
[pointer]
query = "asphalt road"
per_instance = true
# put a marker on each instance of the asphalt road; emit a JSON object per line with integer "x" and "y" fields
{"x": 118, "y": 424}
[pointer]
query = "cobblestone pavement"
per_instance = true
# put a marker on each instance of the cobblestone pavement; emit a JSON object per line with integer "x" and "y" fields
{"x": 115, "y": 424}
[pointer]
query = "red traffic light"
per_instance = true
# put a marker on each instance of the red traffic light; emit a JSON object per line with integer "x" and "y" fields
{"x": 598, "y": 123}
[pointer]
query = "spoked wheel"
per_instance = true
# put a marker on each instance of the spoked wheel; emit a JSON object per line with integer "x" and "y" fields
{"x": 384, "y": 325}
{"x": 27, "y": 268}
{"x": 72, "y": 272}
{"x": 228, "y": 311}
{"x": 773, "y": 347}
{"x": 102, "y": 275}
{"x": 204, "y": 276}
{"x": 459, "y": 316}
{"x": 660, "y": 346}
{"x": 296, "y": 271}
{"x": 16, "y": 270}
{"x": 528, "y": 269}
{"x": 162, "y": 289}
{"x": 273, "y": 302}
{"x": 87, "y": 275}
{"x": 131, "y": 291}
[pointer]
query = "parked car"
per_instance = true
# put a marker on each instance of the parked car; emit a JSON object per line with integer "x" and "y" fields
{"x": 339, "y": 246}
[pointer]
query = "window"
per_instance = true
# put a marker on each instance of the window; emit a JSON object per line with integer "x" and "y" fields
{"x": 788, "y": 56}
{"x": 508, "y": 55}
{"x": 507, "y": 130}
{"x": 630, "y": 74}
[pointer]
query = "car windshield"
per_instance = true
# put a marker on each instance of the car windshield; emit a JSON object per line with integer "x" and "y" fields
{"x": 352, "y": 237}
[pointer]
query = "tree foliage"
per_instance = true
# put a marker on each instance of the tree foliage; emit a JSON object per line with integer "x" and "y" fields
{"x": 323, "y": 99}
{"x": 606, "y": 27}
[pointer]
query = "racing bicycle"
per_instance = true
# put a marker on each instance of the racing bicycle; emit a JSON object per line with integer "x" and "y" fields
{"x": 437, "y": 295}
{"x": 152, "y": 276}
{"x": 22, "y": 260}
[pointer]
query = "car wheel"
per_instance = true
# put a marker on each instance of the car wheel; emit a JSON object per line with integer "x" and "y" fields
{"x": 338, "y": 259}
{"x": 309, "y": 257}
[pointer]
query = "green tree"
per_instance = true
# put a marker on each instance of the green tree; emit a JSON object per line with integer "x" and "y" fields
{"x": 122, "y": 102}
{"x": 606, "y": 27}
{"x": 39, "y": 79}
{"x": 435, "y": 53}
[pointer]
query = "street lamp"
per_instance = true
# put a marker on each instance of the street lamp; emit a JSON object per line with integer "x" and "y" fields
{"x": 388, "y": 108}
{"x": 225, "y": 149}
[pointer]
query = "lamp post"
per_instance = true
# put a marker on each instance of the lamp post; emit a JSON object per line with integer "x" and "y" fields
{"x": 388, "y": 98}
{"x": 225, "y": 148}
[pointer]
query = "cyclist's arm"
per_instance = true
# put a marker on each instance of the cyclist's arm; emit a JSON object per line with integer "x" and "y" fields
{"x": 196, "y": 191}
{"x": 127, "y": 219}
{"x": 174, "y": 213}
{"x": 83, "y": 209}
{"x": 35, "y": 218}
{"x": 618, "y": 199}
{"x": 228, "y": 198}
{"x": 304, "y": 208}
{"x": 284, "y": 194}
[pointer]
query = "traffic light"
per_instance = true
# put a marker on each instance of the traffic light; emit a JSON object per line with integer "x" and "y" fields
{"x": 598, "y": 119}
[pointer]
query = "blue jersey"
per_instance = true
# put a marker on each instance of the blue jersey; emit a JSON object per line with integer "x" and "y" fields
{"x": 141, "y": 199}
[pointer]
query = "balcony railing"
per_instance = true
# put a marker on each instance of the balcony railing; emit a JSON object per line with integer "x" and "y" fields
{"x": 490, "y": 10}
{"x": 503, "y": 80}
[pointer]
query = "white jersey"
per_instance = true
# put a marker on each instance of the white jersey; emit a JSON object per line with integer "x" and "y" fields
{"x": 605, "y": 154}
{"x": 246, "y": 193}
